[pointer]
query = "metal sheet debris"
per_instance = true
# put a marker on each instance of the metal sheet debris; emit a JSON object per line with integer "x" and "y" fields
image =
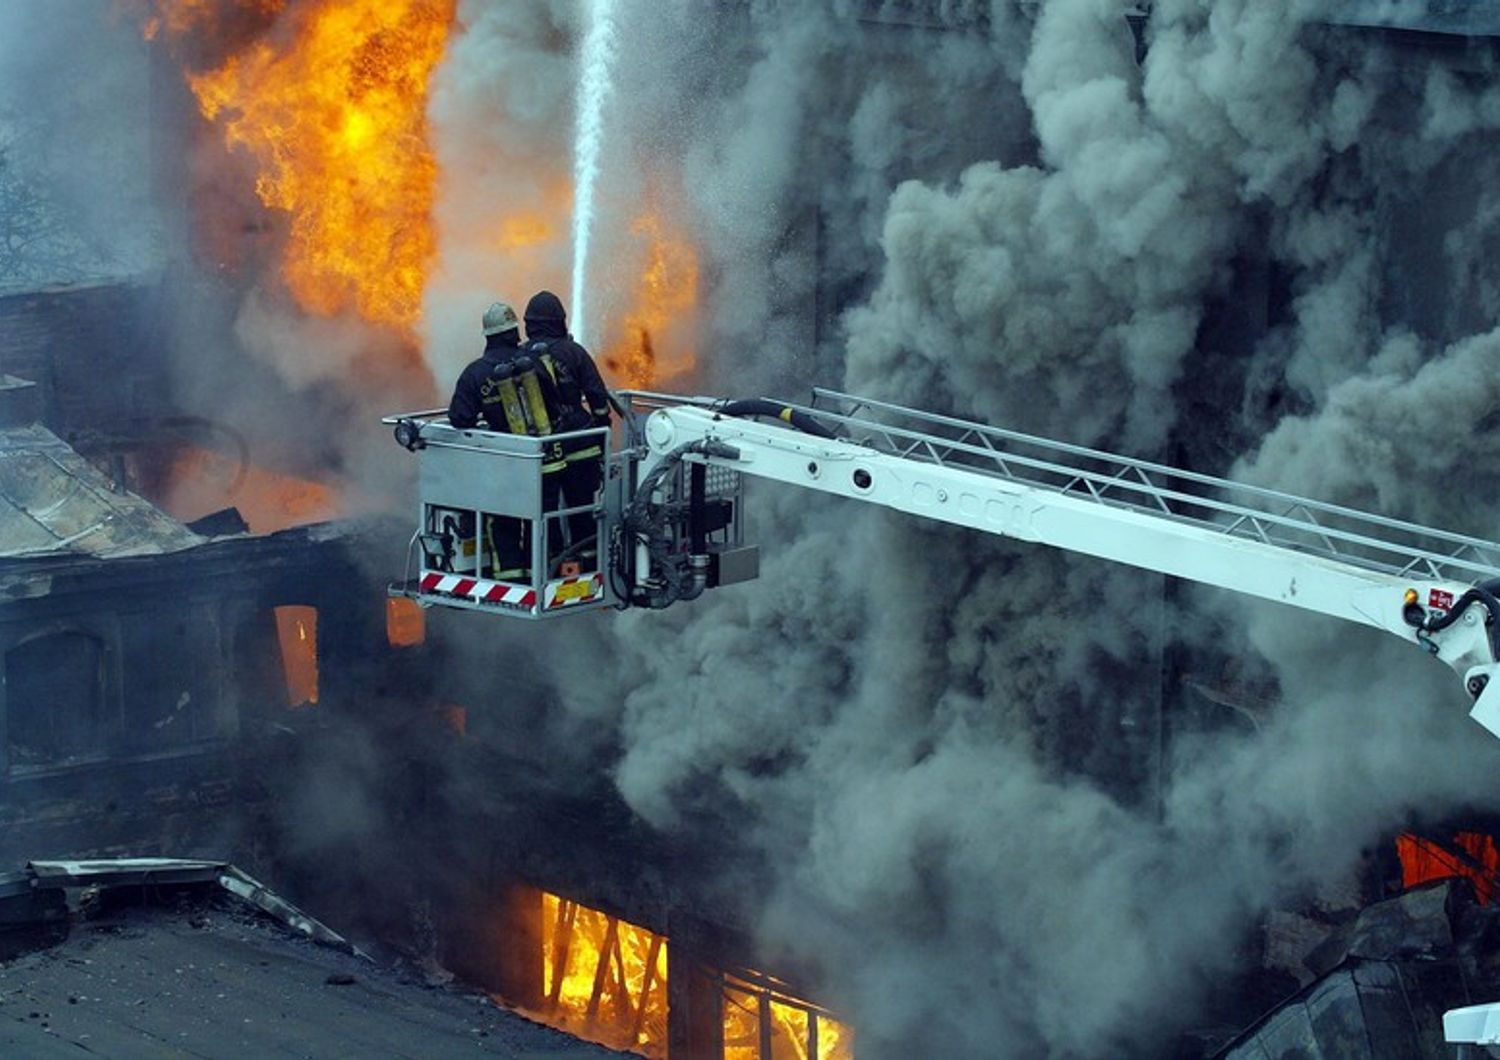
{"x": 18, "y": 891}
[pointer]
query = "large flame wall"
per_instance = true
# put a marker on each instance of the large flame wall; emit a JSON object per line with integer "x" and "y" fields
{"x": 333, "y": 112}
{"x": 330, "y": 101}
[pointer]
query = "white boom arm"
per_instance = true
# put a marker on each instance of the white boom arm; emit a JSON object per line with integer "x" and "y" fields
{"x": 1399, "y": 602}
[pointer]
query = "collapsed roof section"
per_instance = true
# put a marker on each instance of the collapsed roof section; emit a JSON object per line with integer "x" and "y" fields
{"x": 1388, "y": 977}
{"x": 36, "y": 894}
{"x": 54, "y": 502}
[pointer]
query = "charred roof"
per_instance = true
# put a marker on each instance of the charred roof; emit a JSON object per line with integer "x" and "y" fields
{"x": 53, "y": 501}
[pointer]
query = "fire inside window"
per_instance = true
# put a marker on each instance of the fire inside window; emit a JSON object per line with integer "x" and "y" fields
{"x": 763, "y": 1023}
{"x": 604, "y": 979}
{"x": 1472, "y": 856}
{"x": 405, "y": 624}
{"x": 297, "y": 633}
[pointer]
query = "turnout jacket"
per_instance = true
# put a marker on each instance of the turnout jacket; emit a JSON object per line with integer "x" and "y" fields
{"x": 472, "y": 399}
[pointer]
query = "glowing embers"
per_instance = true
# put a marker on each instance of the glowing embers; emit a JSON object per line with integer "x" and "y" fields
{"x": 332, "y": 107}
{"x": 297, "y": 633}
{"x": 522, "y": 231}
{"x": 405, "y": 622}
{"x": 761, "y": 1022}
{"x": 1472, "y": 856}
{"x": 603, "y": 979}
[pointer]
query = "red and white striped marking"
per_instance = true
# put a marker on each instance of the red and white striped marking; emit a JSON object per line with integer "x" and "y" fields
{"x": 480, "y": 591}
{"x": 570, "y": 591}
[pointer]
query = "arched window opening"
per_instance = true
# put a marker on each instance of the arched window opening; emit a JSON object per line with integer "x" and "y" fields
{"x": 54, "y": 699}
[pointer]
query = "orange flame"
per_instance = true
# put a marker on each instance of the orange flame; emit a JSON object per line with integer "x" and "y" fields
{"x": 604, "y": 979}
{"x": 1474, "y": 857}
{"x": 405, "y": 624}
{"x": 795, "y": 1030}
{"x": 665, "y": 293}
{"x": 333, "y": 114}
{"x": 527, "y": 228}
{"x": 523, "y": 231}
{"x": 328, "y": 99}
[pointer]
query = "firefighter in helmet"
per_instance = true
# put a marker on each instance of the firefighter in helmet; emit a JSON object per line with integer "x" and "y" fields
{"x": 509, "y": 390}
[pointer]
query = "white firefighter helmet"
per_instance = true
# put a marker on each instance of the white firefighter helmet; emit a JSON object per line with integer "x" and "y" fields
{"x": 500, "y": 317}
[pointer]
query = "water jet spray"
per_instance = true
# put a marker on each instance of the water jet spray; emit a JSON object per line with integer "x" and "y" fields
{"x": 596, "y": 61}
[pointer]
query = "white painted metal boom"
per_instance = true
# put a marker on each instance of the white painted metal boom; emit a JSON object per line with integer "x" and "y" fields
{"x": 1405, "y": 579}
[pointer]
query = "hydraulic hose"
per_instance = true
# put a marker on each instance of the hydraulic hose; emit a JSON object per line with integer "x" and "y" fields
{"x": 648, "y": 522}
{"x": 776, "y": 410}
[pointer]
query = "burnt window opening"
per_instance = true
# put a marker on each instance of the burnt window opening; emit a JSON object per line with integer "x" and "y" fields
{"x": 54, "y": 699}
{"x": 405, "y": 622}
{"x": 763, "y": 1022}
{"x": 173, "y": 679}
{"x": 605, "y": 979}
{"x": 297, "y": 637}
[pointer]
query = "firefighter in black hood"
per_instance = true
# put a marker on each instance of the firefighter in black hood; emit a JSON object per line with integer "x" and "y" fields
{"x": 580, "y": 386}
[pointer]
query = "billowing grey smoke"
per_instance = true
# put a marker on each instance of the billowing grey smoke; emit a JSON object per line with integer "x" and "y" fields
{"x": 936, "y": 751}
{"x": 75, "y": 181}
{"x": 932, "y": 742}
{"x": 500, "y": 111}
{"x": 939, "y": 749}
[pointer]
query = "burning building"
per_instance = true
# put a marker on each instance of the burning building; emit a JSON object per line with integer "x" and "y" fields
{"x": 148, "y": 663}
{"x": 937, "y": 790}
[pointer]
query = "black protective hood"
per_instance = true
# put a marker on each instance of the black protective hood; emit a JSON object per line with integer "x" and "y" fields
{"x": 545, "y": 317}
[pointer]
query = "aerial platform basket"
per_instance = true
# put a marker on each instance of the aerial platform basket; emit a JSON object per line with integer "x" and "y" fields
{"x": 476, "y": 485}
